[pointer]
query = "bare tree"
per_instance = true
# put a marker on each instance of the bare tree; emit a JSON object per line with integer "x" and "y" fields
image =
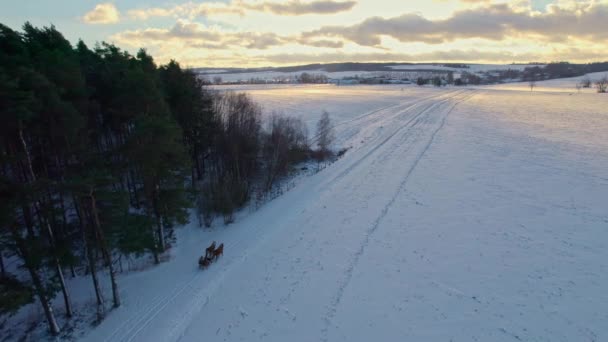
{"x": 578, "y": 86}
{"x": 217, "y": 80}
{"x": 237, "y": 147}
{"x": 325, "y": 134}
{"x": 586, "y": 82}
{"x": 602, "y": 84}
{"x": 285, "y": 143}
{"x": 532, "y": 84}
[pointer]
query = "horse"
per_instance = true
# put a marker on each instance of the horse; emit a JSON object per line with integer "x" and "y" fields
{"x": 219, "y": 251}
{"x": 209, "y": 252}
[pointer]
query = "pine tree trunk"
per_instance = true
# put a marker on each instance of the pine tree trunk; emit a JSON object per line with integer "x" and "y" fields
{"x": 64, "y": 290}
{"x": 56, "y": 263}
{"x": 37, "y": 281}
{"x": 93, "y": 269}
{"x": 105, "y": 251}
{"x": 155, "y": 247}
{"x": 2, "y": 267}
{"x": 155, "y": 254}
{"x": 193, "y": 182}
{"x": 90, "y": 258}
{"x": 27, "y": 218}
{"x": 161, "y": 232}
{"x": 159, "y": 220}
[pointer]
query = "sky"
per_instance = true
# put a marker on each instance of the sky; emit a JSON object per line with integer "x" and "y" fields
{"x": 257, "y": 33}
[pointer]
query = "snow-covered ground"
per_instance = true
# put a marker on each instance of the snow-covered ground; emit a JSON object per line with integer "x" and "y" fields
{"x": 557, "y": 85}
{"x": 343, "y": 103}
{"x": 458, "y": 215}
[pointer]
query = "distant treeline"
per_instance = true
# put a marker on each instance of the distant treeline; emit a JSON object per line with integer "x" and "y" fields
{"x": 382, "y": 74}
{"x": 533, "y": 73}
{"x": 562, "y": 70}
{"x": 327, "y": 67}
{"x": 102, "y": 154}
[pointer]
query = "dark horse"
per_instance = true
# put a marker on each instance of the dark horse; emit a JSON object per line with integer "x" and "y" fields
{"x": 210, "y": 251}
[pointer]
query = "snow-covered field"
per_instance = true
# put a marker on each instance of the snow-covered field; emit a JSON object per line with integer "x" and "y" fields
{"x": 557, "y": 85}
{"x": 457, "y": 215}
{"x": 343, "y": 103}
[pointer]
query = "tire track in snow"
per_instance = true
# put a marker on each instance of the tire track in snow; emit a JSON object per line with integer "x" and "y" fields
{"x": 198, "y": 295}
{"x": 361, "y": 159}
{"x": 419, "y": 119}
{"x": 389, "y": 109}
{"x": 132, "y": 327}
{"x": 348, "y": 273}
{"x": 129, "y": 329}
{"x": 182, "y": 323}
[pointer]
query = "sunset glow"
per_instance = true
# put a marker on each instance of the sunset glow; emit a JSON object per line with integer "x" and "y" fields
{"x": 269, "y": 32}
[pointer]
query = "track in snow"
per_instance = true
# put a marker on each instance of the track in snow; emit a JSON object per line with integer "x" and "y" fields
{"x": 409, "y": 133}
{"x": 398, "y": 124}
{"x": 353, "y": 263}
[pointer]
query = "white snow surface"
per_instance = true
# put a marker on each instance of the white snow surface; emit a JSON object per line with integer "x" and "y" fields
{"x": 457, "y": 215}
{"x": 556, "y": 85}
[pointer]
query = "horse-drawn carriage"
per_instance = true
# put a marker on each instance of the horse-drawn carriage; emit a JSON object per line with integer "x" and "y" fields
{"x": 211, "y": 254}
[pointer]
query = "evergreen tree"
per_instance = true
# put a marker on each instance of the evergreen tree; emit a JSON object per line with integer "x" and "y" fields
{"x": 100, "y": 153}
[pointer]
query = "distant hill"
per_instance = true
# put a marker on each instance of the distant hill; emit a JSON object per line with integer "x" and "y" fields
{"x": 335, "y": 67}
{"x": 381, "y": 72}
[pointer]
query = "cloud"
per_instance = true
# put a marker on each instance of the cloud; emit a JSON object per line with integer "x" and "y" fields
{"x": 509, "y": 31}
{"x": 493, "y": 22}
{"x": 105, "y": 13}
{"x": 454, "y": 55}
{"x": 217, "y": 58}
{"x": 321, "y": 43}
{"x": 188, "y": 10}
{"x": 297, "y": 7}
{"x": 192, "y": 10}
{"x": 197, "y": 35}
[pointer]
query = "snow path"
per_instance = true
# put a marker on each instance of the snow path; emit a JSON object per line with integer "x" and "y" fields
{"x": 296, "y": 255}
{"x": 457, "y": 215}
{"x": 349, "y": 271}
{"x": 194, "y": 290}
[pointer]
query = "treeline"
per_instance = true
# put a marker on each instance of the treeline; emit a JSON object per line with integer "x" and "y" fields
{"x": 102, "y": 154}
{"x": 312, "y": 78}
{"x": 562, "y": 70}
{"x": 303, "y": 78}
{"x": 534, "y": 73}
{"x": 528, "y": 74}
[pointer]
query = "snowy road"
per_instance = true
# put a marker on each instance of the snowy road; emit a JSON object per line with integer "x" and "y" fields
{"x": 457, "y": 215}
